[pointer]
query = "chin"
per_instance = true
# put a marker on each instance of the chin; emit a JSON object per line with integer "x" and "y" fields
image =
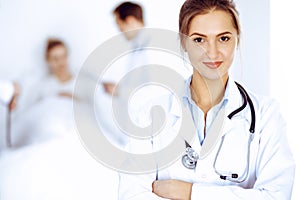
{"x": 211, "y": 74}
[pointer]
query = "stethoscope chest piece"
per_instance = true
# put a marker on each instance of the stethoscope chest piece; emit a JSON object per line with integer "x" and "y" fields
{"x": 189, "y": 160}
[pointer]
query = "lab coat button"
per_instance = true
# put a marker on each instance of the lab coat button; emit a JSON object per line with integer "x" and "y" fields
{"x": 203, "y": 176}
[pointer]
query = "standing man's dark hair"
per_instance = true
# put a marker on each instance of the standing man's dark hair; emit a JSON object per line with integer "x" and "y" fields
{"x": 129, "y": 19}
{"x": 129, "y": 9}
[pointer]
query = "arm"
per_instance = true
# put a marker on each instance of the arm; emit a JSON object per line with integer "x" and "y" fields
{"x": 110, "y": 88}
{"x": 172, "y": 189}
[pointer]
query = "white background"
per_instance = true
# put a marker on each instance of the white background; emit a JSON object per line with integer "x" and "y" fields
{"x": 25, "y": 24}
{"x": 284, "y": 71}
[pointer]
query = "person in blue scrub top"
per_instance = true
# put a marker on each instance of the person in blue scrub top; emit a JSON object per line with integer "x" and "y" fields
{"x": 263, "y": 162}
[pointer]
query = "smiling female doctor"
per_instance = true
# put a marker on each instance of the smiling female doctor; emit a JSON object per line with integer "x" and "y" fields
{"x": 252, "y": 159}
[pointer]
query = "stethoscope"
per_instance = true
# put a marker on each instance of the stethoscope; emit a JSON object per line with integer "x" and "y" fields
{"x": 190, "y": 158}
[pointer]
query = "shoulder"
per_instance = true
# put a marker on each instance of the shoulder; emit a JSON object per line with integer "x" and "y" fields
{"x": 267, "y": 109}
{"x": 264, "y": 104}
{"x": 261, "y": 103}
{"x": 268, "y": 113}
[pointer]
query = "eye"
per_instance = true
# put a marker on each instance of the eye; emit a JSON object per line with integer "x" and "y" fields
{"x": 198, "y": 40}
{"x": 224, "y": 38}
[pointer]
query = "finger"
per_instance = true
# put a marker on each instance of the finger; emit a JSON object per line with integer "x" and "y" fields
{"x": 153, "y": 186}
{"x": 12, "y": 106}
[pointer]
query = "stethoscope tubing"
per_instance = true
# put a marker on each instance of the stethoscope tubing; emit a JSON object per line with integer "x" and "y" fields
{"x": 232, "y": 177}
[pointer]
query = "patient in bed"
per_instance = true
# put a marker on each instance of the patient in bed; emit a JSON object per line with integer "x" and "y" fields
{"x": 60, "y": 80}
{"x": 49, "y": 114}
{"x": 51, "y": 163}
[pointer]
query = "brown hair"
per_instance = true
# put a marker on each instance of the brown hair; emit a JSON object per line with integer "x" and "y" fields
{"x": 192, "y": 8}
{"x": 51, "y": 43}
{"x": 126, "y": 9}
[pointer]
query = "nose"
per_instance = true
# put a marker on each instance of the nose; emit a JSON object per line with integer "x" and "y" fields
{"x": 212, "y": 50}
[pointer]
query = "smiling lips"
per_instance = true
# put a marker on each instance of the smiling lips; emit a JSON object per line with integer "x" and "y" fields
{"x": 213, "y": 65}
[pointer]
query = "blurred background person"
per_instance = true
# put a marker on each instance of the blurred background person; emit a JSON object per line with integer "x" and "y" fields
{"x": 56, "y": 79}
{"x": 49, "y": 101}
{"x": 60, "y": 80}
{"x": 47, "y": 159}
{"x": 129, "y": 19}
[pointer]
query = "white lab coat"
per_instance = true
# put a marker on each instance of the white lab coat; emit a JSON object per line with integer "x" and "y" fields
{"x": 114, "y": 74}
{"x": 271, "y": 167}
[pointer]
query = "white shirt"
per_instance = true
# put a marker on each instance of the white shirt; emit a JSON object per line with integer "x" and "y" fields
{"x": 198, "y": 115}
{"x": 51, "y": 86}
{"x": 121, "y": 67}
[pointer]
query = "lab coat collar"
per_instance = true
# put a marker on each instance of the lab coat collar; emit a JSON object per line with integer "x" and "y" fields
{"x": 231, "y": 95}
{"x": 235, "y": 100}
{"x": 232, "y": 100}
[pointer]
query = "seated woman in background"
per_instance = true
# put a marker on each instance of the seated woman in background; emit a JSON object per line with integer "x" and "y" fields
{"x": 60, "y": 80}
{"x": 50, "y": 101}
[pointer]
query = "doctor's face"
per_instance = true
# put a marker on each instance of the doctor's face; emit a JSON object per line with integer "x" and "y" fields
{"x": 211, "y": 42}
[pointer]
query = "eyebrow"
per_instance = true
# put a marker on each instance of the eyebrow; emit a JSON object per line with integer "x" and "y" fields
{"x": 202, "y": 35}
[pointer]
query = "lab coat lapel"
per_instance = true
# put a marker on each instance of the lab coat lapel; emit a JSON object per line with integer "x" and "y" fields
{"x": 214, "y": 134}
{"x": 227, "y": 126}
{"x": 235, "y": 100}
{"x": 208, "y": 146}
{"x": 222, "y": 124}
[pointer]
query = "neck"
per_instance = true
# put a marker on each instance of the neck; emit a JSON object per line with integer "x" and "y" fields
{"x": 207, "y": 93}
{"x": 133, "y": 33}
{"x": 63, "y": 76}
{"x": 134, "y": 29}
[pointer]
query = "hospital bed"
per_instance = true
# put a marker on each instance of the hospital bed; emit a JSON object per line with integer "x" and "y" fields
{"x": 48, "y": 161}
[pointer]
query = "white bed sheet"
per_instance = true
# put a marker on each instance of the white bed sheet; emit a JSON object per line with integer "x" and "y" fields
{"x": 48, "y": 160}
{"x": 46, "y": 119}
{"x": 58, "y": 169}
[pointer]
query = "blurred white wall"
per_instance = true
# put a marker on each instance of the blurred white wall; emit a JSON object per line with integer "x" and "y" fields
{"x": 253, "y": 60}
{"x": 285, "y": 71}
